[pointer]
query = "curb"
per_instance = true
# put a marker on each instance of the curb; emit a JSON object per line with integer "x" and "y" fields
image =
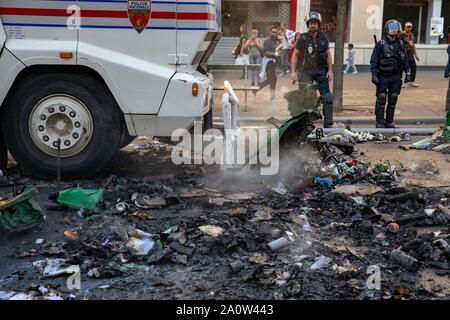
{"x": 404, "y": 121}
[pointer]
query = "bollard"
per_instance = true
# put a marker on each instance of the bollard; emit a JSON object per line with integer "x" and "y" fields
{"x": 230, "y": 104}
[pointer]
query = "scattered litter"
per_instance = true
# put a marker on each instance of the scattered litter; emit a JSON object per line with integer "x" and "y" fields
{"x": 140, "y": 243}
{"x": 429, "y": 167}
{"x": 237, "y": 266}
{"x": 425, "y": 144}
{"x": 211, "y": 230}
{"x": 302, "y": 220}
{"x": 321, "y": 262}
{"x": 359, "y": 200}
{"x": 78, "y": 198}
{"x": 54, "y": 267}
{"x": 405, "y": 260}
{"x": 218, "y": 201}
{"x": 261, "y": 216}
{"x": 393, "y": 227}
{"x": 22, "y": 212}
{"x": 72, "y": 235}
{"x": 145, "y": 202}
{"x": 360, "y": 189}
{"x": 278, "y": 244}
{"x": 444, "y": 210}
{"x": 280, "y": 189}
{"x": 344, "y": 269}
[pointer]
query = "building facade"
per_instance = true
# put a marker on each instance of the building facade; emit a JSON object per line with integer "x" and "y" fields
{"x": 365, "y": 18}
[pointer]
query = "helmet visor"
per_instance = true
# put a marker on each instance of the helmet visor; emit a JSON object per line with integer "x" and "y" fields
{"x": 393, "y": 28}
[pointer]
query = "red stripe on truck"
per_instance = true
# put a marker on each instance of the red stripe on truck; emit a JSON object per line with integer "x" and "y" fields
{"x": 35, "y": 12}
{"x": 105, "y": 14}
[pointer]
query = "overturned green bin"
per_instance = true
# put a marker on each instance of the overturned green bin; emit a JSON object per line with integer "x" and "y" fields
{"x": 303, "y": 105}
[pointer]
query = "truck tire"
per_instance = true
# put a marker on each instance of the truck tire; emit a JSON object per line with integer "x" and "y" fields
{"x": 126, "y": 138}
{"x": 73, "y": 107}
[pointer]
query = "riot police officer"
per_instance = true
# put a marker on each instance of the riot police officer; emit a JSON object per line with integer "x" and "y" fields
{"x": 315, "y": 62}
{"x": 389, "y": 60}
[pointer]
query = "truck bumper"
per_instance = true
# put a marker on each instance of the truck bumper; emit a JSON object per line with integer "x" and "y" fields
{"x": 180, "y": 108}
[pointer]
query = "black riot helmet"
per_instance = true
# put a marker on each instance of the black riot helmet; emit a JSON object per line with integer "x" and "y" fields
{"x": 393, "y": 28}
{"x": 313, "y": 15}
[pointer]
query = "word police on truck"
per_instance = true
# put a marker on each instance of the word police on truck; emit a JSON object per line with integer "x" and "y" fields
{"x": 130, "y": 68}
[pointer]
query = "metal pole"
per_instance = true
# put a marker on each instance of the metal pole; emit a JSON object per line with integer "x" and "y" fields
{"x": 338, "y": 84}
{"x": 58, "y": 167}
{"x": 419, "y": 28}
{"x": 411, "y": 131}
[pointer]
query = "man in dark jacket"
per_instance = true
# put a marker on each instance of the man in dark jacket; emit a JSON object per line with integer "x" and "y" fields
{"x": 316, "y": 63}
{"x": 389, "y": 60}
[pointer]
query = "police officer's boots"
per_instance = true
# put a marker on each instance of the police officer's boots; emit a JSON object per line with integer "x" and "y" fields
{"x": 390, "y": 111}
{"x": 328, "y": 116}
{"x": 379, "y": 116}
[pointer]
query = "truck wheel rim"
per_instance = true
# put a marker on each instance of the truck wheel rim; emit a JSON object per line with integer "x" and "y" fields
{"x": 61, "y": 119}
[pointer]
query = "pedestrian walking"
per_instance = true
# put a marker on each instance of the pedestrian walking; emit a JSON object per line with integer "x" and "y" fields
{"x": 287, "y": 36}
{"x": 351, "y": 60}
{"x": 270, "y": 54}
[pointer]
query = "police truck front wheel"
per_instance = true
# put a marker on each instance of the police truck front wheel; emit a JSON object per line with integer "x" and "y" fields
{"x": 72, "y": 115}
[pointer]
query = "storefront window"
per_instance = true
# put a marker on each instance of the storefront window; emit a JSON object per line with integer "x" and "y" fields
{"x": 260, "y": 15}
{"x": 234, "y": 14}
{"x": 328, "y": 10}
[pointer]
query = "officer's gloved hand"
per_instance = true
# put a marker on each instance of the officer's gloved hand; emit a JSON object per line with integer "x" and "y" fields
{"x": 408, "y": 78}
{"x": 375, "y": 80}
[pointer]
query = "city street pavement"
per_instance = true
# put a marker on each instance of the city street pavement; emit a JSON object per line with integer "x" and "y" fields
{"x": 423, "y": 104}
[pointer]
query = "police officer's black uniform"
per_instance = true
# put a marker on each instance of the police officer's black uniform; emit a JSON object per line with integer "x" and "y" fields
{"x": 313, "y": 66}
{"x": 387, "y": 64}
